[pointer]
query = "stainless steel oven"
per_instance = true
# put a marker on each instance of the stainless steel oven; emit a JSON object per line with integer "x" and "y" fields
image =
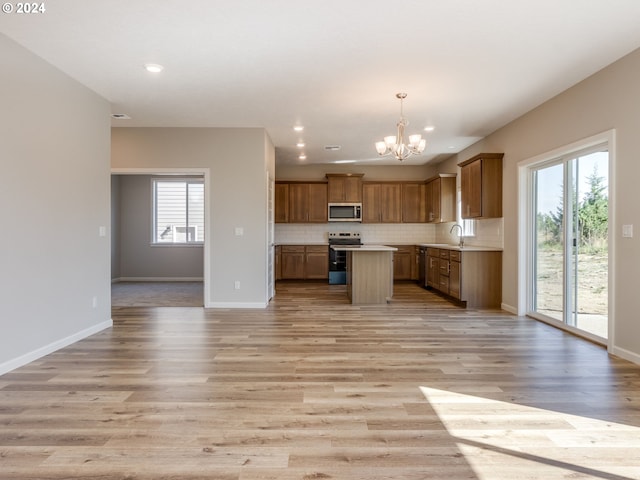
{"x": 338, "y": 260}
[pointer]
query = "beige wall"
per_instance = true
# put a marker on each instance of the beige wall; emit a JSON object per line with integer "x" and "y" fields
{"x": 607, "y": 100}
{"x": 54, "y": 196}
{"x": 238, "y": 161}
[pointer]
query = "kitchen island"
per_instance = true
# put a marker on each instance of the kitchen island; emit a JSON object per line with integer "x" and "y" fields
{"x": 369, "y": 273}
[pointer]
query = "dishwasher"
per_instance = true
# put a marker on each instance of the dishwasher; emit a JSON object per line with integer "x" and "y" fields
{"x": 422, "y": 264}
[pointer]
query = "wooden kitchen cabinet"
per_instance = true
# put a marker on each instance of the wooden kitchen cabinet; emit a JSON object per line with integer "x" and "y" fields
{"x": 404, "y": 260}
{"x": 304, "y": 262}
{"x": 443, "y": 266}
{"x": 440, "y": 195}
{"x": 316, "y": 264}
{"x": 293, "y": 262}
{"x": 307, "y": 202}
{"x": 454, "y": 273}
{"x": 481, "y": 186}
{"x": 278, "y": 263}
{"x": 381, "y": 202}
{"x": 414, "y": 202}
{"x": 281, "y": 206}
{"x": 471, "y": 277}
{"x": 433, "y": 268}
{"x": 344, "y": 187}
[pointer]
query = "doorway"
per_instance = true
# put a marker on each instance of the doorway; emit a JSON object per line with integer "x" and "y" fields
{"x": 568, "y": 249}
{"x": 149, "y": 266}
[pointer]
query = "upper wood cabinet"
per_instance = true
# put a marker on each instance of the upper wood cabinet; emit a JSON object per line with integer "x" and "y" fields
{"x": 441, "y": 198}
{"x": 414, "y": 202}
{"x": 281, "y": 214}
{"x": 344, "y": 187}
{"x": 381, "y": 202}
{"x": 307, "y": 202}
{"x": 481, "y": 183}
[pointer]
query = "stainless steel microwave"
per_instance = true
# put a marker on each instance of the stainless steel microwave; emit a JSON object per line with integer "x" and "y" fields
{"x": 345, "y": 212}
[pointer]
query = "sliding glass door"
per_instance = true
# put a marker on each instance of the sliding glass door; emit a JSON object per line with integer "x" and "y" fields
{"x": 570, "y": 248}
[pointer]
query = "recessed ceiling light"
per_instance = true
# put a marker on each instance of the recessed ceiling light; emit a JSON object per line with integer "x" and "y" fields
{"x": 429, "y": 128}
{"x": 153, "y": 67}
{"x": 298, "y": 128}
{"x": 120, "y": 116}
{"x": 302, "y": 157}
{"x": 332, "y": 148}
{"x": 300, "y": 144}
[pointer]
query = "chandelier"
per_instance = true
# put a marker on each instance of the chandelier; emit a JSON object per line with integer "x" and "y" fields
{"x": 394, "y": 145}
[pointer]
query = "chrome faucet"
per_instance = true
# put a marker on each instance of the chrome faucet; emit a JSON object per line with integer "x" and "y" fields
{"x": 460, "y": 237}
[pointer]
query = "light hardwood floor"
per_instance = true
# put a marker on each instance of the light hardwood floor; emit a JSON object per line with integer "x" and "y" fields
{"x": 315, "y": 388}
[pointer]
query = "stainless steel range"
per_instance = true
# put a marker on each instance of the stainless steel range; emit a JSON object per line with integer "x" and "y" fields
{"x": 338, "y": 260}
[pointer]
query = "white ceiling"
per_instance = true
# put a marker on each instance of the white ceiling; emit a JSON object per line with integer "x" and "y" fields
{"x": 334, "y": 66}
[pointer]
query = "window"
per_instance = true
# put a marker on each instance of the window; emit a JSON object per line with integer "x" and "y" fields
{"x": 468, "y": 224}
{"x": 178, "y": 211}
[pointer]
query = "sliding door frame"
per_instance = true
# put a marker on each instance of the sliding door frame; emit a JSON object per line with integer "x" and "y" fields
{"x": 526, "y": 267}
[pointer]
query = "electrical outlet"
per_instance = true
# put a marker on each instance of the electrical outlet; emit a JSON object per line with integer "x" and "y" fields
{"x": 237, "y": 285}
{"x": 94, "y": 302}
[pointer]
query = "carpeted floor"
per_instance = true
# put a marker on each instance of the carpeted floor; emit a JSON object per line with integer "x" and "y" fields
{"x": 157, "y": 294}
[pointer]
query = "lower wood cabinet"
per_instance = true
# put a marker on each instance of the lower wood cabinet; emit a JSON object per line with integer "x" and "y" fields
{"x": 316, "y": 262}
{"x": 304, "y": 262}
{"x": 292, "y": 262}
{"x": 278, "y": 263}
{"x": 433, "y": 268}
{"x": 405, "y": 262}
{"x": 472, "y": 277}
{"x": 454, "y": 273}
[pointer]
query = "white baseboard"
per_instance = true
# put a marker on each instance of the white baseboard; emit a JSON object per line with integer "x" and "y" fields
{"x": 625, "y": 354}
{"x": 157, "y": 279}
{"x": 509, "y": 308}
{"x": 236, "y": 305}
{"x": 52, "y": 347}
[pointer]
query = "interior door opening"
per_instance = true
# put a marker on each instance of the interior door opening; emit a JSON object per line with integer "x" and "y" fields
{"x": 146, "y": 271}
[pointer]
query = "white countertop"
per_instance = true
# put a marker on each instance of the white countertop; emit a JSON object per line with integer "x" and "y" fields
{"x": 466, "y": 248}
{"x": 360, "y": 248}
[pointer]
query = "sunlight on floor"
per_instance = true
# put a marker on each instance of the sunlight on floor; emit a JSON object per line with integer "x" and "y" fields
{"x": 500, "y": 439}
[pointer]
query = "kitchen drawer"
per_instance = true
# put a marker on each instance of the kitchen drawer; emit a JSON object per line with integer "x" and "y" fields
{"x": 433, "y": 252}
{"x": 455, "y": 256}
{"x": 317, "y": 248}
{"x": 444, "y": 267}
{"x": 293, "y": 249}
{"x": 444, "y": 284}
{"x": 444, "y": 253}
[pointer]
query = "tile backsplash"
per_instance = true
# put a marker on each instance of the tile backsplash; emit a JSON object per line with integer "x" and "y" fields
{"x": 391, "y": 233}
{"x": 488, "y": 233}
